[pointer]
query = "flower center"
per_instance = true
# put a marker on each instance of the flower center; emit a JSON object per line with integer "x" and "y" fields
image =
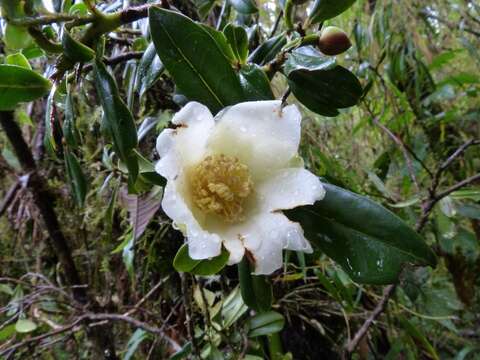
{"x": 220, "y": 184}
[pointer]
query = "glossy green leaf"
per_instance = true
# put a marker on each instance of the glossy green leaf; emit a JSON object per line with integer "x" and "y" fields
{"x": 184, "y": 263}
{"x": 18, "y": 59}
{"x": 16, "y": 37}
{"x": 222, "y": 43}
{"x": 74, "y": 49}
{"x": 18, "y": 84}
{"x": 149, "y": 70}
{"x": 256, "y": 290}
{"x": 244, "y": 6}
{"x": 319, "y": 83}
{"x": 255, "y": 83}
{"x": 25, "y": 326}
{"x": 268, "y": 50}
{"x": 78, "y": 182}
{"x": 118, "y": 119}
{"x": 238, "y": 40}
{"x": 327, "y": 9}
{"x": 195, "y": 60}
{"x": 368, "y": 241}
{"x": 265, "y": 324}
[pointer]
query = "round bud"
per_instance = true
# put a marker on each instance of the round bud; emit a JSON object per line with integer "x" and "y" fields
{"x": 333, "y": 41}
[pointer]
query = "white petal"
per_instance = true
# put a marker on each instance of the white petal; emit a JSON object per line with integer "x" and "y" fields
{"x": 201, "y": 244}
{"x": 260, "y": 134}
{"x": 265, "y": 236}
{"x": 278, "y": 233}
{"x": 235, "y": 248}
{"x": 181, "y": 147}
{"x": 192, "y": 113}
{"x": 289, "y": 188}
{"x": 165, "y": 142}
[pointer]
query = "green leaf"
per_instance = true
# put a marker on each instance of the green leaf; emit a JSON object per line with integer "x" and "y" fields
{"x": 147, "y": 171}
{"x": 319, "y": 83}
{"x": 183, "y": 353}
{"x": 232, "y": 309}
{"x": 256, "y": 290}
{"x": 195, "y": 59}
{"x": 135, "y": 340}
{"x": 184, "y": 263}
{"x": 78, "y": 182}
{"x": 70, "y": 132}
{"x": 222, "y": 43}
{"x": 204, "y": 7}
{"x": 265, "y": 324}
{"x": 16, "y": 37}
{"x": 51, "y": 125}
{"x": 18, "y": 59}
{"x": 7, "y": 332}
{"x": 238, "y": 40}
{"x": 118, "y": 119}
{"x": 368, "y": 241}
{"x": 418, "y": 336}
{"x": 18, "y": 84}
{"x": 25, "y": 326}
{"x": 74, "y": 49}
{"x": 149, "y": 70}
{"x": 268, "y": 50}
{"x": 244, "y": 6}
{"x": 327, "y": 9}
{"x": 255, "y": 83}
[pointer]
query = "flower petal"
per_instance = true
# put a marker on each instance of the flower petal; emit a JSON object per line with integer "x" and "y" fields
{"x": 201, "y": 244}
{"x": 181, "y": 147}
{"x": 278, "y": 233}
{"x": 289, "y": 188}
{"x": 260, "y": 134}
{"x": 265, "y": 236}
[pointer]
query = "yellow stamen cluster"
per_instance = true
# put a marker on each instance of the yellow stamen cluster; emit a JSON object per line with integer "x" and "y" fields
{"x": 220, "y": 184}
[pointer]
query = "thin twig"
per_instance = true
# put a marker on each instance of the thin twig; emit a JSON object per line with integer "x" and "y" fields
{"x": 387, "y": 293}
{"x": 9, "y": 196}
{"x": 277, "y": 22}
{"x": 145, "y": 298}
{"x": 94, "y": 317}
{"x": 51, "y": 19}
{"x": 114, "y": 60}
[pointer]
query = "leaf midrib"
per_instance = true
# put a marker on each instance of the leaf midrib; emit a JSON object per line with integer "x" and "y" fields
{"x": 194, "y": 69}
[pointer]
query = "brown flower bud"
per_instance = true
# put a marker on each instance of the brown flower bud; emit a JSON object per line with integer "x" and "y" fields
{"x": 333, "y": 41}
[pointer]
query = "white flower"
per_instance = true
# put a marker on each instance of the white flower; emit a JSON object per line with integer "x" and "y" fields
{"x": 228, "y": 177}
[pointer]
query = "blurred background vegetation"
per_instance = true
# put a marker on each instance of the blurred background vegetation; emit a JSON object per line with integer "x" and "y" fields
{"x": 419, "y": 62}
